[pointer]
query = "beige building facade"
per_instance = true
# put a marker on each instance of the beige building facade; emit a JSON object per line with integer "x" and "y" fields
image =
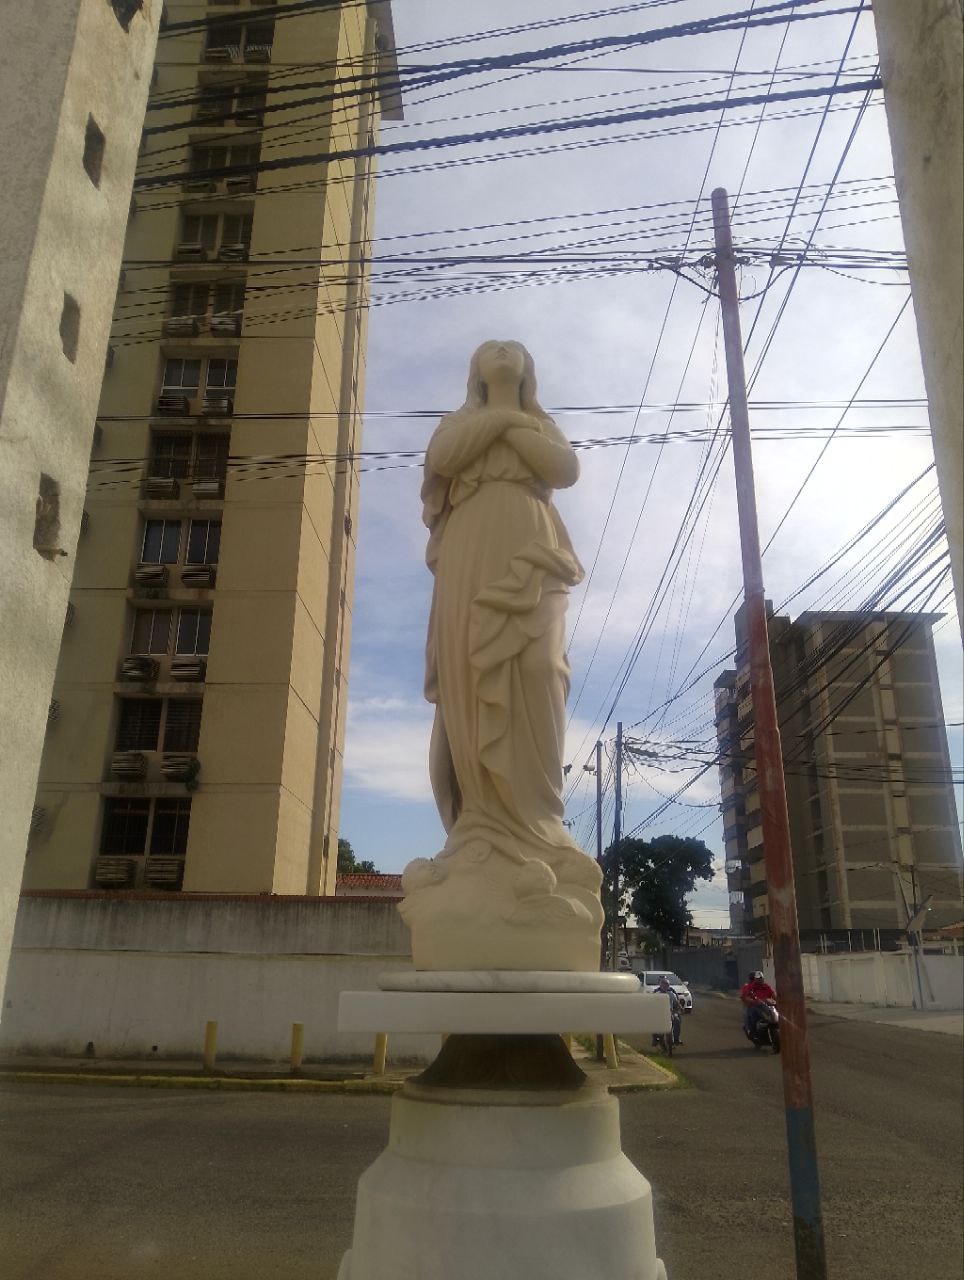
{"x": 198, "y": 718}
{"x": 68, "y": 142}
{"x": 873, "y": 823}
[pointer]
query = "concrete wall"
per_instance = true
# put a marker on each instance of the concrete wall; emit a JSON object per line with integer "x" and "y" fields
{"x": 129, "y": 972}
{"x": 921, "y": 47}
{"x": 61, "y": 63}
{"x": 885, "y": 979}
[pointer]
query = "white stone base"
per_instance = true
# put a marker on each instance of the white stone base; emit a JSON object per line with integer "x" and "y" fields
{"x": 510, "y": 980}
{"x": 503, "y": 1192}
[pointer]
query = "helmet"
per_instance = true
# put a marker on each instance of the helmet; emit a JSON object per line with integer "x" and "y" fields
{"x": 759, "y": 975}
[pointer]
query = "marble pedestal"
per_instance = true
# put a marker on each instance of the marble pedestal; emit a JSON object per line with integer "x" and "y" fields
{"x": 503, "y": 1161}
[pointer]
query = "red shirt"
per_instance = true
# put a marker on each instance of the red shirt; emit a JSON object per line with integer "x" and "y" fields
{"x": 756, "y": 990}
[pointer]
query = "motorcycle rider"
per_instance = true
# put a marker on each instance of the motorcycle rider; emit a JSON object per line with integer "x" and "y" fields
{"x": 675, "y": 1010}
{"x": 753, "y": 993}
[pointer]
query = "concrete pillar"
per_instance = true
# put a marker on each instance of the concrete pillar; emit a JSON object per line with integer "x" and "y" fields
{"x": 921, "y": 44}
{"x": 74, "y": 76}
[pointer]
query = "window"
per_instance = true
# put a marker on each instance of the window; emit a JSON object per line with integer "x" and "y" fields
{"x": 193, "y": 631}
{"x": 182, "y": 375}
{"x": 138, "y": 725}
{"x": 169, "y": 831}
{"x": 162, "y": 541}
{"x": 211, "y": 457}
{"x": 200, "y": 229}
{"x": 228, "y": 297}
{"x": 171, "y": 456}
{"x": 182, "y": 727}
{"x": 222, "y": 375}
{"x": 94, "y": 145}
{"x": 190, "y": 300}
{"x": 236, "y": 229}
{"x": 125, "y": 826}
{"x": 204, "y": 542}
{"x": 152, "y": 631}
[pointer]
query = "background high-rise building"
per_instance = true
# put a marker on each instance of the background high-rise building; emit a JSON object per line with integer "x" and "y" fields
{"x": 196, "y": 731}
{"x": 873, "y": 824}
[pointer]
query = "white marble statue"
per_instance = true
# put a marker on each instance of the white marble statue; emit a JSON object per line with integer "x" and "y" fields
{"x": 510, "y": 889}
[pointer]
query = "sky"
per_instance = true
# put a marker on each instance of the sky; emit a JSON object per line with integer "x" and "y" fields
{"x": 613, "y": 351}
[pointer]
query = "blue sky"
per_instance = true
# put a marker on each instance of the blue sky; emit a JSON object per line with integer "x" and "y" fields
{"x": 596, "y": 343}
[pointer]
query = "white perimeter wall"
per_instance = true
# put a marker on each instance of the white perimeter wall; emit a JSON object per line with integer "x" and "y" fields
{"x": 883, "y": 978}
{"x": 129, "y": 973}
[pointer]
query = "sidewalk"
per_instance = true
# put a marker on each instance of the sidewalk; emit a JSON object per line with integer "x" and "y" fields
{"x": 635, "y": 1072}
{"x": 949, "y": 1023}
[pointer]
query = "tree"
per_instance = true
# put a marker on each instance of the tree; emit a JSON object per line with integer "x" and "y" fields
{"x": 348, "y": 864}
{"x": 655, "y": 877}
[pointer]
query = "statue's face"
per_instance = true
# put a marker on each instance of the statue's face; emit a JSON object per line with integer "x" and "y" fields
{"x": 497, "y": 359}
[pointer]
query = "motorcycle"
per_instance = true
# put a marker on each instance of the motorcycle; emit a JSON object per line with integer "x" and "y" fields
{"x": 666, "y": 1040}
{"x": 765, "y": 1033}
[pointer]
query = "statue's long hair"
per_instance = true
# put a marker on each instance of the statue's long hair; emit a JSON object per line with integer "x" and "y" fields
{"x": 476, "y": 391}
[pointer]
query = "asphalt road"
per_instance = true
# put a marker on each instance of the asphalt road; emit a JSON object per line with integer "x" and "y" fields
{"x": 122, "y": 1183}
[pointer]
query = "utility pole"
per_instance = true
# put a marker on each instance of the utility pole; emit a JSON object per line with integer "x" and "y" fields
{"x": 599, "y": 836}
{"x": 784, "y": 931}
{"x": 617, "y": 836}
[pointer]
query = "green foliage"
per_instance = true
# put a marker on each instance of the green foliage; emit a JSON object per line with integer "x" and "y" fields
{"x": 655, "y": 877}
{"x": 348, "y": 864}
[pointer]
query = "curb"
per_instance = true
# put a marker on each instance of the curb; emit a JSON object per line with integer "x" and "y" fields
{"x": 230, "y": 1083}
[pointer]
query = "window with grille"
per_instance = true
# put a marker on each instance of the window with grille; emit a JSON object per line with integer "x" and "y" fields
{"x": 171, "y": 455}
{"x": 170, "y": 826}
{"x": 125, "y": 826}
{"x": 211, "y": 457}
{"x": 182, "y": 375}
{"x": 226, "y": 35}
{"x": 162, "y": 541}
{"x": 204, "y": 542}
{"x": 189, "y": 299}
{"x": 193, "y": 631}
{"x": 200, "y": 229}
{"x": 152, "y": 631}
{"x": 138, "y": 724}
{"x": 182, "y": 727}
{"x": 222, "y": 374}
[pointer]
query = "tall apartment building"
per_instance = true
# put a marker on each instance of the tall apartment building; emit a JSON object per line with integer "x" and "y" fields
{"x": 873, "y": 824}
{"x": 196, "y": 728}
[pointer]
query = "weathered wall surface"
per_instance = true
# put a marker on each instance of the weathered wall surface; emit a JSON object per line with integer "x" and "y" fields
{"x": 921, "y": 48}
{"x": 131, "y": 972}
{"x": 883, "y": 978}
{"x": 62, "y": 63}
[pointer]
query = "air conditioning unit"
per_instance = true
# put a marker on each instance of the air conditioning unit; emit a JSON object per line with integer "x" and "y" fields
{"x": 166, "y": 871}
{"x": 188, "y": 668}
{"x": 53, "y": 712}
{"x": 198, "y": 184}
{"x": 114, "y": 871}
{"x": 84, "y": 522}
{"x": 181, "y": 326}
{"x": 199, "y": 576}
{"x": 222, "y": 53}
{"x": 218, "y": 406}
{"x": 151, "y": 575}
{"x": 178, "y": 766}
{"x": 70, "y": 614}
{"x": 249, "y": 115}
{"x": 240, "y": 182}
{"x": 189, "y": 252}
{"x": 233, "y": 252}
{"x": 38, "y": 818}
{"x": 140, "y": 667}
{"x": 173, "y": 403}
{"x": 162, "y": 487}
{"x": 227, "y": 324}
{"x": 128, "y": 765}
{"x": 210, "y": 488}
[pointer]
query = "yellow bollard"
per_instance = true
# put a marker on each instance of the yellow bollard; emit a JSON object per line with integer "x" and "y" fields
{"x": 210, "y": 1045}
{"x": 609, "y": 1046}
{"x": 297, "y": 1046}
{"x": 380, "y": 1054}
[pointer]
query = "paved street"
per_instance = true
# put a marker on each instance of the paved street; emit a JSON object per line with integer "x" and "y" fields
{"x": 125, "y": 1183}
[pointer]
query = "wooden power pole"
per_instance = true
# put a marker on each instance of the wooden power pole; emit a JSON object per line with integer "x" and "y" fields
{"x": 784, "y": 932}
{"x": 617, "y": 836}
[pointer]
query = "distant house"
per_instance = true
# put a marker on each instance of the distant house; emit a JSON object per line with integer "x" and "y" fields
{"x": 368, "y": 885}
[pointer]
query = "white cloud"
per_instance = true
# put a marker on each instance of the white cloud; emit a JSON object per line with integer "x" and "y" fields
{"x": 387, "y": 748}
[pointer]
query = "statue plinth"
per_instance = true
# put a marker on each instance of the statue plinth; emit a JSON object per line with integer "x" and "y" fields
{"x": 503, "y": 1159}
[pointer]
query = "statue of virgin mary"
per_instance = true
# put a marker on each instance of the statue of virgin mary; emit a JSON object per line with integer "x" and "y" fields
{"x": 510, "y": 889}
